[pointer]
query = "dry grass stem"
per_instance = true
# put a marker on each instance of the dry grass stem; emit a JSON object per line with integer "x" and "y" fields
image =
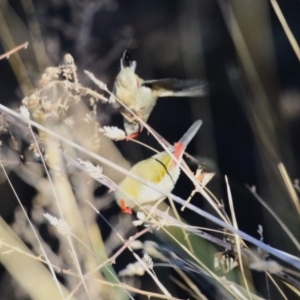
{"x": 16, "y": 49}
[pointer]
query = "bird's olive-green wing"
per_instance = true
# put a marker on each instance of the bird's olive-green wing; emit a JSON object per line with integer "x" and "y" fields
{"x": 153, "y": 169}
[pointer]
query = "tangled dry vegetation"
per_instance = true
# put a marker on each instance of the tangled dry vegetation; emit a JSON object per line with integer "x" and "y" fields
{"x": 55, "y": 144}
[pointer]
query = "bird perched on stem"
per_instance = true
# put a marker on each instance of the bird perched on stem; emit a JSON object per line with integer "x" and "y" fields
{"x": 140, "y": 95}
{"x": 161, "y": 169}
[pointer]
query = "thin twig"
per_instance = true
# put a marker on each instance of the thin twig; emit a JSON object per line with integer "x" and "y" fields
{"x": 237, "y": 239}
{"x": 16, "y": 49}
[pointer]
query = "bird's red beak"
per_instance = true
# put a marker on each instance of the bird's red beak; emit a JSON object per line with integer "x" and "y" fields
{"x": 125, "y": 209}
{"x": 132, "y": 136}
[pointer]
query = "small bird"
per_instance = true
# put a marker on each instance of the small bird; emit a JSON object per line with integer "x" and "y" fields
{"x": 140, "y": 95}
{"x": 160, "y": 169}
